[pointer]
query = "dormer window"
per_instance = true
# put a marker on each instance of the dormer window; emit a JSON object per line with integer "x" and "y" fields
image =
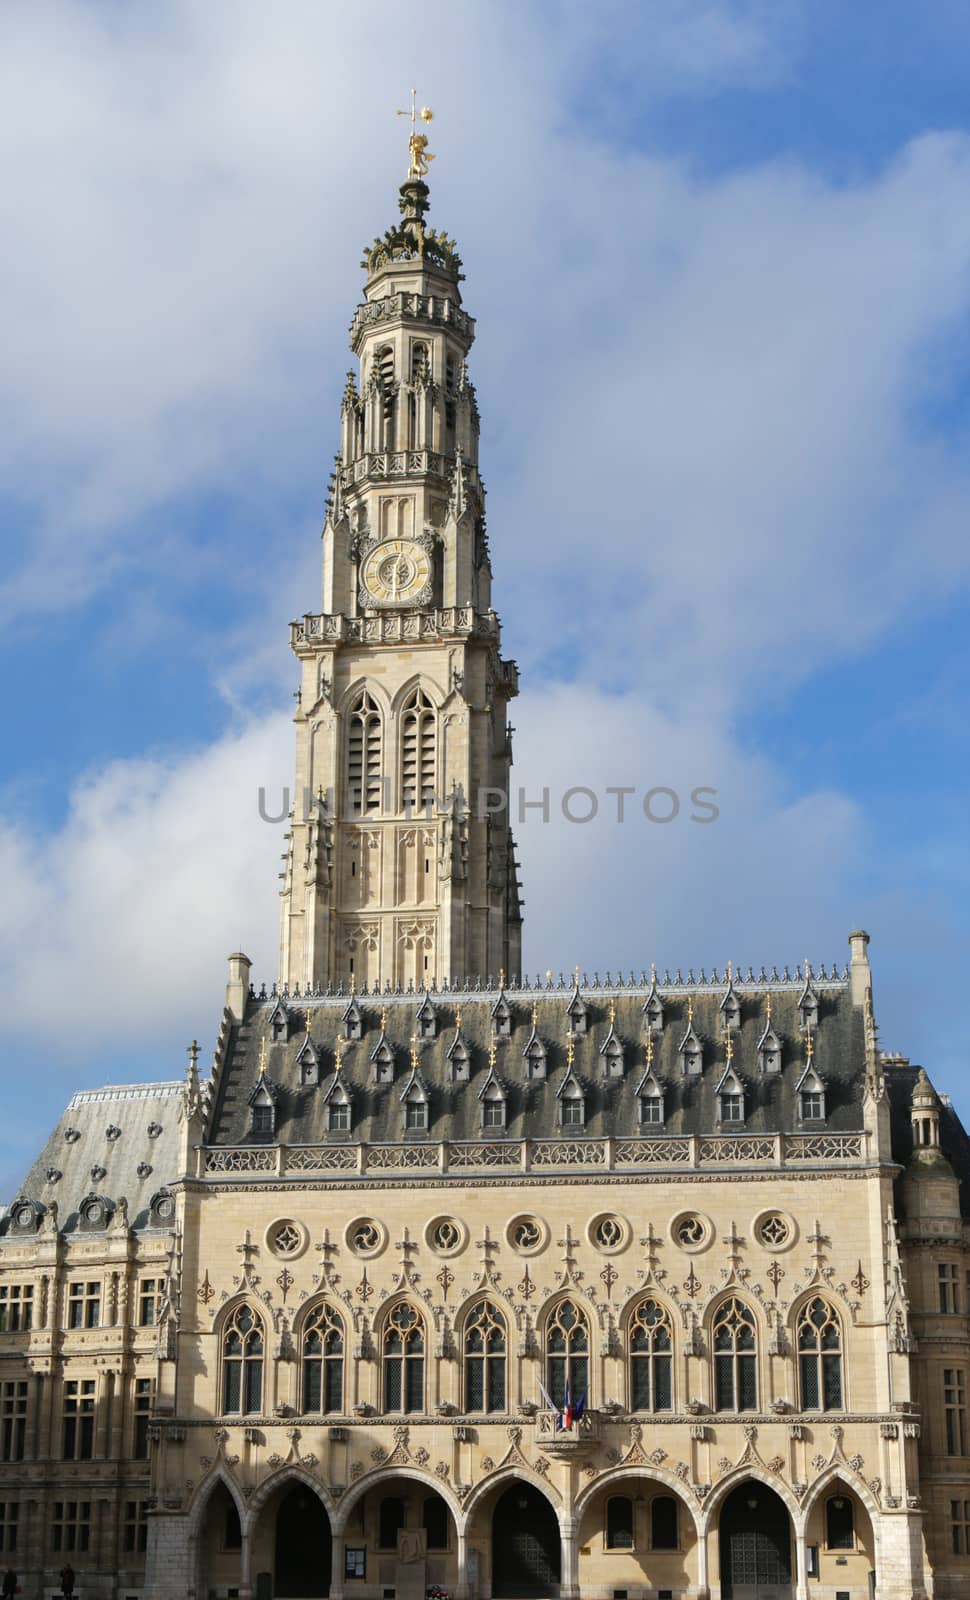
{"x": 811, "y": 1096}
{"x": 279, "y": 1023}
{"x": 459, "y": 1058}
{"x": 650, "y": 1101}
{"x": 570, "y": 1098}
{"x": 353, "y": 1021}
{"x": 263, "y": 1112}
{"x": 308, "y": 1063}
{"x": 502, "y": 1018}
{"x": 808, "y": 1004}
{"x": 534, "y": 1054}
{"x": 414, "y": 1099}
{"x": 730, "y": 1098}
{"x": 426, "y": 1019}
{"x": 612, "y": 1055}
{"x": 730, "y": 1008}
{"x": 769, "y": 1050}
{"x": 337, "y": 1100}
{"x": 382, "y": 1060}
{"x": 653, "y": 1011}
{"x": 492, "y": 1099}
{"x": 577, "y": 1015}
{"x": 691, "y": 1049}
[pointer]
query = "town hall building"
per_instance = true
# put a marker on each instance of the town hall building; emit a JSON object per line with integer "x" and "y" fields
{"x": 453, "y": 1280}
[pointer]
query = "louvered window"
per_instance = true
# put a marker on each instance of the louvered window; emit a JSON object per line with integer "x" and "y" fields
{"x": 364, "y": 739}
{"x": 418, "y": 738}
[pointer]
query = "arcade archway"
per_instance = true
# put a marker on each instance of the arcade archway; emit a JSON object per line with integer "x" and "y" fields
{"x": 526, "y": 1549}
{"x": 756, "y": 1547}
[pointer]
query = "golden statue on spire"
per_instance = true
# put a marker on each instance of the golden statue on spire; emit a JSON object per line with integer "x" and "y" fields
{"x": 421, "y": 157}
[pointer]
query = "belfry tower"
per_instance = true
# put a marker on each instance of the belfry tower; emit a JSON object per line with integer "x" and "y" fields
{"x": 400, "y": 866}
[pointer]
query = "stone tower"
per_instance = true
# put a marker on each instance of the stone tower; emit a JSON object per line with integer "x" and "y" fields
{"x": 400, "y": 866}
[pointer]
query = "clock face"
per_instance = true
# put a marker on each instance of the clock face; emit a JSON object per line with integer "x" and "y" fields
{"x": 396, "y": 573}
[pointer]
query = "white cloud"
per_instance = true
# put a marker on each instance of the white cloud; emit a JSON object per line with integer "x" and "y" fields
{"x": 128, "y": 911}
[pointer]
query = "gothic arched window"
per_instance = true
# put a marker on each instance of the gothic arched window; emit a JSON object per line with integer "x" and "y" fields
{"x": 567, "y": 1353}
{"x": 485, "y": 1346}
{"x": 819, "y": 1341}
{"x": 403, "y": 1349}
{"x": 323, "y": 1361}
{"x": 418, "y": 748}
{"x": 735, "y": 1357}
{"x": 651, "y": 1347}
{"x": 364, "y": 746}
{"x": 242, "y": 1363}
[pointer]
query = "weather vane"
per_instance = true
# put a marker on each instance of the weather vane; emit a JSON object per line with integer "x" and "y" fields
{"x": 421, "y": 156}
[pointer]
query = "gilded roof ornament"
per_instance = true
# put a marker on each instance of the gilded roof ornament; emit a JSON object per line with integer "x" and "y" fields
{"x": 420, "y": 155}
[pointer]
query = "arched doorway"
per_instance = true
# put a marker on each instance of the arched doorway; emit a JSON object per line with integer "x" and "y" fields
{"x": 304, "y": 1547}
{"x": 525, "y": 1545}
{"x": 756, "y": 1545}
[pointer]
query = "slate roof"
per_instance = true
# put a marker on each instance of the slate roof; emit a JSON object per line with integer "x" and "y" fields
{"x": 136, "y": 1160}
{"x": 611, "y": 1103}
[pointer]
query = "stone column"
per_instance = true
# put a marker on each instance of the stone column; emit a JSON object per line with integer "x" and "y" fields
{"x": 461, "y": 1585}
{"x": 703, "y": 1588}
{"x": 569, "y": 1587}
{"x": 337, "y": 1567}
{"x": 245, "y": 1565}
{"x": 801, "y": 1564}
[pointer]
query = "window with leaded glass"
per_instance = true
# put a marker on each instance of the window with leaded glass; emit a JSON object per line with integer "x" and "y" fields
{"x": 619, "y": 1522}
{"x": 242, "y": 1363}
{"x": 955, "y": 1410}
{"x": 839, "y": 1529}
{"x": 79, "y": 1419}
{"x": 485, "y": 1345}
{"x": 323, "y": 1361}
{"x": 13, "y": 1419}
{"x": 84, "y": 1305}
{"x": 144, "y": 1400}
{"x": 735, "y": 1357}
{"x": 70, "y": 1526}
{"x": 567, "y": 1353}
{"x": 16, "y": 1307}
{"x": 651, "y": 1347}
{"x": 136, "y": 1527}
{"x": 148, "y": 1296}
{"x": 819, "y": 1340}
{"x": 9, "y": 1519}
{"x": 403, "y": 1347}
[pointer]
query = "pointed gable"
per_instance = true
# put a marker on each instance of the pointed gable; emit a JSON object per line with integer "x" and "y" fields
{"x": 577, "y": 1012}
{"x": 730, "y": 1006}
{"x": 353, "y": 1020}
{"x": 382, "y": 1056}
{"x": 690, "y": 1049}
{"x": 502, "y": 1016}
{"x": 426, "y": 1018}
{"x": 570, "y": 1096}
{"x": 459, "y": 1054}
{"x": 534, "y": 1054}
{"x": 769, "y": 1044}
{"x": 653, "y": 1010}
{"x": 611, "y": 1050}
{"x": 308, "y": 1059}
{"x": 279, "y": 1022}
{"x": 808, "y": 1001}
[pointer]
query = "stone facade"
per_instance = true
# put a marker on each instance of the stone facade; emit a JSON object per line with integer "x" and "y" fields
{"x": 448, "y": 1279}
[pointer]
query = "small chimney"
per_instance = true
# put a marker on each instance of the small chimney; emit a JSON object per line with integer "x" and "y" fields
{"x": 237, "y": 989}
{"x": 860, "y": 972}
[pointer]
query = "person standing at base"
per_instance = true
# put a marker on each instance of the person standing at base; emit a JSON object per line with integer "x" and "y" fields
{"x": 67, "y": 1581}
{"x": 9, "y": 1584}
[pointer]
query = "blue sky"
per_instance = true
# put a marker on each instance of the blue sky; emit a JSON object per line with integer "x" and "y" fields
{"x": 719, "y": 254}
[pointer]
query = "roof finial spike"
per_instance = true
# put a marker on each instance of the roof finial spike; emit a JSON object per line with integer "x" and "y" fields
{"x": 262, "y": 1056}
{"x": 535, "y": 1016}
{"x": 353, "y": 984}
{"x": 501, "y": 978}
{"x": 730, "y": 972}
{"x": 414, "y": 1052}
{"x": 690, "y": 1011}
{"x": 308, "y": 1022}
{"x": 809, "y": 1044}
{"x": 729, "y": 1048}
{"x": 650, "y": 1047}
{"x": 768, "y": 1008}
{"x": 569, "y": 1051}
{"x": 491, "y": 1053}
{"x": 612, "y": 1013}
{"x": 383, "y": 1019}
{"x": 458, "y": 1019}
